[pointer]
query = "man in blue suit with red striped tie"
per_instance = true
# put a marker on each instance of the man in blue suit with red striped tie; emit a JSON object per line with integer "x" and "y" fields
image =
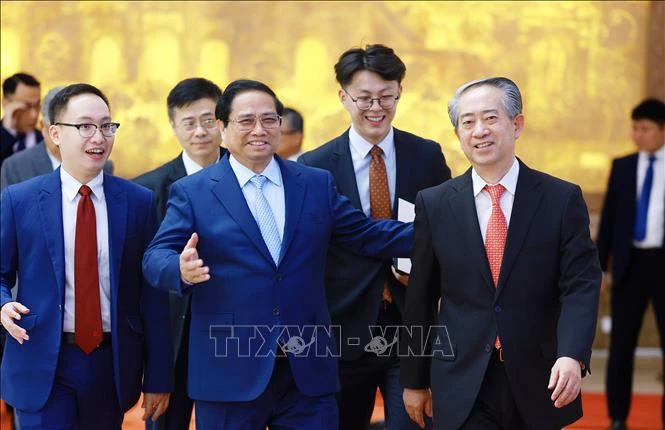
{"x": 248, "y": 238}
{"x": 86, "y": 333}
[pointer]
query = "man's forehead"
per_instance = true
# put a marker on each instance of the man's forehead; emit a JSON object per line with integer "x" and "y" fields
{"x": 26, "y": 92}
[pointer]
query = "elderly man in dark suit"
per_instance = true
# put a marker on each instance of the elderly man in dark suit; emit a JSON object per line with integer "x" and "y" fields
{"x": 191, "y": 108}
{"x": 40, "y": 159}
{"x": 506, "y": 249}
{"x": 362, "y": 292}
{"x": 632, "y": 237}
{"x": 20, "y": 103}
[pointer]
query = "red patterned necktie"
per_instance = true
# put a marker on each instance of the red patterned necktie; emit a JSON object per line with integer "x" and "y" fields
{"x": 379, "y": 196}
{"x": 88, "y": 314}
{"x": 495, "y": 237}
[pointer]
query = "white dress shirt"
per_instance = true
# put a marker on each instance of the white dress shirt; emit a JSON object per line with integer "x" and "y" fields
{"x": 656, "y": 211}
{"x": 192, "y": 166}
{"x": 361, "y": 157}
{"x": 273, "y": 189}
{"x": 70, "y": 201}
{"x": 484, "y": 201}
{"x": 30, "y": 139}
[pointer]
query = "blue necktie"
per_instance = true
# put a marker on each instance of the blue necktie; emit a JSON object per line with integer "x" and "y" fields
{"x": 20, "y": 145}
{"x": 643, "y": 202}
{"x": 265, "y": 218}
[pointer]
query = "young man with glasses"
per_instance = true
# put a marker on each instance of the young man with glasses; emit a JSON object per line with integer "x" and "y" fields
{"x": 191, "y": 109}
{"x": 373, "y": 165}
{"x": 247, "y": 238}
{"x": 86, "y": 333}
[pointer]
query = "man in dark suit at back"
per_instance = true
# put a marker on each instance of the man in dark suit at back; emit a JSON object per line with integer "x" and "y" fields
{"x": 20, "y": 103}
{"x": 373, "y": 165}
{"x": 191, "y": 108}
{"x": 506, "y": 251}
{"x": 40, "y": 159}
{"x": 631, "y": 236}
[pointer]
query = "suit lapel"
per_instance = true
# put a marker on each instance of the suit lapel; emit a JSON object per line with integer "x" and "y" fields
{"x": 50, "y": 210}
{"x": 463, "y": 206}
{"x": 294, "y": 196}
{"x": 226, "y": 189}
{"x": 342, "y": 170}
{"x": 405, "y": 159}
{"x": 116, "y": 209}
{"x": 527, "y": 199}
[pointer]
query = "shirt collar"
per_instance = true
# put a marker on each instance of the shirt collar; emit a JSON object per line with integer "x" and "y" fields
{"x": 363, "y": 147}
{"x": 509, "y": 180}
{"x": 244, "y": 174}
{"x": 192, "y": 166}
{"x": 71, "y": 186}
{"x": 659, "y": 154}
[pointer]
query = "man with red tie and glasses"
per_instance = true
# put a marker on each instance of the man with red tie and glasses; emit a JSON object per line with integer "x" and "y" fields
{"x": 507, "y": 252}
{"x": 85, "y": 333}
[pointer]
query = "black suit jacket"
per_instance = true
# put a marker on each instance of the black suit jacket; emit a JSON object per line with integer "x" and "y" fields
{"x": 617, "y": 221}
{"x": 7, "y": 141}
{"x": 354, "y": 284}
{"x": 544, "y": 307}
{"x": 159, "y": 181}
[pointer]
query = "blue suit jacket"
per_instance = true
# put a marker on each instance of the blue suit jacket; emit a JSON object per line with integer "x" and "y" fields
{"x": 33, "y": 245}
{"x": 230, "y": 360}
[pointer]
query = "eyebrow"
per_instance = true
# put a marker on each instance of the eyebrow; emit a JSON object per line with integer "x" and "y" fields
{"x": 190, "y": 117}
{"x": 496, "y": 111}
{"x": 87, "y": 118}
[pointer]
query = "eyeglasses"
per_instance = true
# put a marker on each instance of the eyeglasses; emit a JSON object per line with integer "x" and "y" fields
{"x": 365, "y": 103}
{"x": 192, "y": 124}
{"x": 108, "y": 129}
{"x": 268, "y": 122}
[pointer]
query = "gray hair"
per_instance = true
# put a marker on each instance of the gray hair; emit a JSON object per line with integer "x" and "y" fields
{"x": 511, "y": 99}
{"x": 46, "y": 102}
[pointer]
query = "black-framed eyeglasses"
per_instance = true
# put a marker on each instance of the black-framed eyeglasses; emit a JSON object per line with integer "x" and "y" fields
{"x": 108, "y": 129}
{"x": 268, "y": 121}
{"x": 192, "y": 124}
{"x": 365, "y": 103}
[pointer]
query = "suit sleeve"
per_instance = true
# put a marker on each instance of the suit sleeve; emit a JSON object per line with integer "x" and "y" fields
{"x": 422, "y": 297}
{"x": 161, "y": 262}
{"x": 159, "y": 374}
{"x": 579, "y": 282}
{"x": 8, "y": 248}
{"x": 441, "y": 171}
{"x": 604, "y": 238}
{"x": 356, "y": 233}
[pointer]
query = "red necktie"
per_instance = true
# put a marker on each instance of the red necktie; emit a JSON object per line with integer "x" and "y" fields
{"x": 379, "y": 196}
{"x": 495, "y": 237}
{"x": 88, "y": 314}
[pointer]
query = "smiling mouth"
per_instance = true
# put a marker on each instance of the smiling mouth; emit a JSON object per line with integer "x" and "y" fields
{"x": 375, "y": 118}
{"x": 95, "y": 151}
{"x": 257, "y": 143}
{"x": 483, "y": 145}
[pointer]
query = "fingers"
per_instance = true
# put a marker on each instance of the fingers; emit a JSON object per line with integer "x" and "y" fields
{"x": 554, "y": 376}
{"x": 566, "y": 380}
{"x": 11, "y": 108}
{"x": 161, "y": 409}
{"x": 415, "y": 401}
{"x": 193, "y": 241}
{"x": 154, "y": 405}
{"x": 428, "y": 407}
{"x": 12, "y": 311}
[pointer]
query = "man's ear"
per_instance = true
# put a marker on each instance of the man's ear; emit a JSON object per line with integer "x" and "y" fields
{"x": 221, "y": 128}
{"x": 54, "y": 133}
{"x": 518, "y": 124}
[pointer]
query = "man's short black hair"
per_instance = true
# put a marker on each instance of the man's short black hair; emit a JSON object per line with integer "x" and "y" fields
{"x": 376, "y": 58}
{"x": 223, "y": 109}
{"x": 294, "y": 118}
{"x": 652, "y": 109}
{"x": 61, "y": 99}
{"x": 190, "y": 90}
{"x": 10, "y": 84}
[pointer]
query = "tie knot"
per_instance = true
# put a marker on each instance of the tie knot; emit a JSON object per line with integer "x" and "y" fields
{"x": 85, "y": 190}
{"x": 259, "y": 181}
{"x": 496, "y": 191}
{"x": 376, "y": 151}
{"x": 652, "y": 158}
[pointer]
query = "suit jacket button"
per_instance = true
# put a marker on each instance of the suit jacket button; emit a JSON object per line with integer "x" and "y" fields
{"x": 275, "y": 311}
{"x": 488, "y": 348}
{"x": 497, "y": 309}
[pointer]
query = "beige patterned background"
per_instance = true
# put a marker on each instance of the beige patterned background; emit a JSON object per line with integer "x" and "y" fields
{"x": 581, "y": 65}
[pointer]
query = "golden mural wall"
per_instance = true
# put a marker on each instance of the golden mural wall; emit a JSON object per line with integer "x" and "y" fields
{"x": 580, "y": 65}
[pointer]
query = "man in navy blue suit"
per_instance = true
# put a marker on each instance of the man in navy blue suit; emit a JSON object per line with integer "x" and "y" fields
{"x": 362, "y": 293}
{"x": 631, "y": 240}
{"x": 87, "y": 333}
{"x": 248, "y": 239}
